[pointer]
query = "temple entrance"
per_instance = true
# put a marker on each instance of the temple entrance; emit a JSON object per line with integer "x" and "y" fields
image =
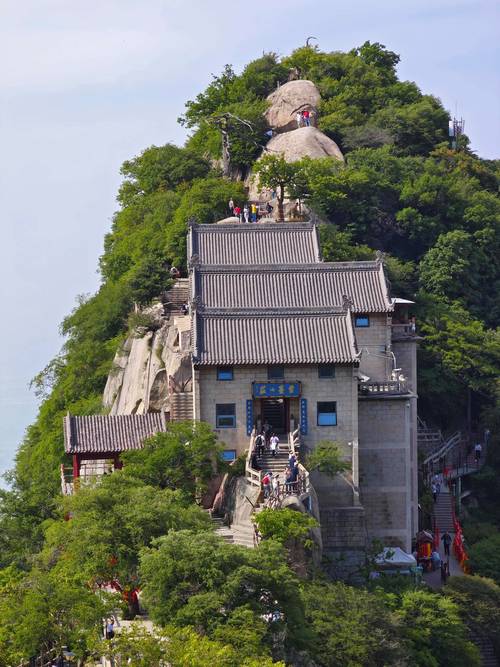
{"x": 274, "y": 411}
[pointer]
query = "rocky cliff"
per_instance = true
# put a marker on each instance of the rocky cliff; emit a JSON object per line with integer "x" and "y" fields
{"x": 152, "y": 369}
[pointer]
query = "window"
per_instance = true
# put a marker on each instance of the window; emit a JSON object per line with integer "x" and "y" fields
{"x": 225, "y": 415}
{"x": 327, "y": 414}
{"x": 362, "y": 321}
{"x": 229, "y": 455}
{"x": 275, "y": 372}
{"x": 225, "y": 373}
{"x": 326, "y": 371}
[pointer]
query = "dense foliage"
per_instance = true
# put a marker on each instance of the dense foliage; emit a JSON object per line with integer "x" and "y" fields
{"x": 435, "y": 214}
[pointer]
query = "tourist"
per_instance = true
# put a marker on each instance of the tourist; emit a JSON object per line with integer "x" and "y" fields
{"x": 445, "y": 571}
{"x": 266, "y": 484}
{"x": 291, "y": 459}
{"x": 269, "y": 209}
{"x": 110, "y": 628}
{"x": 295, "y": 471}
{"x": 435, "y": 560}
{"x": 259, "y": 444}
{"x": 312, "y": 117}
{"x": 477, "y": 452}
{"x": 434, "y": 492}
{"x": 299, "y": 119}
{"x": 237, "y": 212}
{"x": 245, "y": 213}
{"x": 231, "y": 206}
{"x": 305, "y": 116}
{"x": 288, "y": 480}
{"x": 273, "y": 443}
{"x": 276, "y": 485}
{"x": 267, "y": 431}
{"x": 254, "y": 462}
{"x": 446, "y": 540}
{"x": 185, "y": 308}
{"x": 253, "y": 210}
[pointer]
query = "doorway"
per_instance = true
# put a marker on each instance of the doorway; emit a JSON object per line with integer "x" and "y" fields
{"x": 274, "y": 411}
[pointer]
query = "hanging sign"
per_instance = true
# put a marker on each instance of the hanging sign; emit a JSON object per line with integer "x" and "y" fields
{"x": 276, "y": 389}
{"x": 303, "y": 416}
{"x": 249, "y": 417}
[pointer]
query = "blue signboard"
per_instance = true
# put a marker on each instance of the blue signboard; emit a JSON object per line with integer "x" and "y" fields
{"x": 276, "y": 389}
{"x": 249, "y": 417}
{"x": 303, "y": 416}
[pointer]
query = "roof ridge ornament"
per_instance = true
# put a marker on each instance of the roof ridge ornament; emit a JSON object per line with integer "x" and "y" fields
{"x": 192, "y": 222}
{"x": 347, "y": 302}
{"x": 194, "y": 261}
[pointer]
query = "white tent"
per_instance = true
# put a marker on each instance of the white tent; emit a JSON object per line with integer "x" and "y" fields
{"x": 395, "y": 558}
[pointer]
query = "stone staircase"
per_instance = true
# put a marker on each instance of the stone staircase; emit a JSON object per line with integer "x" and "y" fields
{"x": 241, "y": 533}
{"x": 485, "y": 646}
{"x": 177, "y": 295}
{"x": 443, "y": 514}
{"x": 275, "y": 464}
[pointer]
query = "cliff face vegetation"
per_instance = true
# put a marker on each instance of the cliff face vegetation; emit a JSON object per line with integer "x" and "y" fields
{"x": 401, "y": 189}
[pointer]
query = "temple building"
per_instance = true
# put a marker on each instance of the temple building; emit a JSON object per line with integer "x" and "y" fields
{"x": 262, "y": 332}
{"x": 283, "y": 338}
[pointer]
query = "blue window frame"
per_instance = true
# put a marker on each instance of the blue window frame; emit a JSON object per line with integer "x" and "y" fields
{"x": 275, "y": 372}
{"x": 326, "y": 371}
{"x": 327, "y": 413}
{"x": 362, "y": 321}
{"x": 225, "y": 415}
{"x": 229, "y": 455}
{"x": 225, "y": 373}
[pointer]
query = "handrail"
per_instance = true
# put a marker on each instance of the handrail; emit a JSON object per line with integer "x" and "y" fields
{"x": 294, "y": 445}
{"x": 253, "y": 476}
{"x": 450, "y": 443}
{"x": 458, "y": 540}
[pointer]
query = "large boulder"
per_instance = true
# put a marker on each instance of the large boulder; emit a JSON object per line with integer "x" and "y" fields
{"x": 284, "y": 102}
{"x": 304, "y": 142}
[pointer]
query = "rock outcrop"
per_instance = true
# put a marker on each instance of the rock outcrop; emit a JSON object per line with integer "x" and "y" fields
{"x": 304, "y": 142}
{"x": 152, "y": 369}
{"x": 285, "y": 101}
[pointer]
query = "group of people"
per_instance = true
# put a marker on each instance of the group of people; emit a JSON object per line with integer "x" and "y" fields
{"x": 250, "y": 211}
{"x": 305, "y": 118}
{"x": 268, "y": 441}
{"x": 437, "y": 480}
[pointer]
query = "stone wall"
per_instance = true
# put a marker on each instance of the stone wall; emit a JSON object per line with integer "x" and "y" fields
{"x": 342, "y": 389}
{"x": 386, "y": 469}
{"x": 344, "y": 538}
{"x": 373, "y": 343}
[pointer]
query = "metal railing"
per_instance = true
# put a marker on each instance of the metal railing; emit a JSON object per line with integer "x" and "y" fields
{"x": 407, "y": 330}
{"x": 383, "y": 388}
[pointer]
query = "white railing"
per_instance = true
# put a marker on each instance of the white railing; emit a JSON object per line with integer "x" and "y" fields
{"x": 294, "y": 445}
{"x": 386, "y": 387}
{"x": 253, "y": 476}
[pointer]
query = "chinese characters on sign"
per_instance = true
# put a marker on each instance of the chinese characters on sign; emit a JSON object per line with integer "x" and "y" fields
{"x": 303, "y": 416}
{"x": 276, "y": 389}
{"x": 249, "y": 417}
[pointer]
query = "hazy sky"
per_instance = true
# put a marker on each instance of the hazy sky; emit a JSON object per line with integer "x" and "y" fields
{"x": 86, "y": 85}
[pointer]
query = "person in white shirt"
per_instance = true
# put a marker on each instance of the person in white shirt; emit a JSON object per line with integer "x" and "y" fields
{"x": 273, "y": 444}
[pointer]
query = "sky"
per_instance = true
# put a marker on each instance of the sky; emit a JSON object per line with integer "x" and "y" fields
{"x": 87, "y": 85}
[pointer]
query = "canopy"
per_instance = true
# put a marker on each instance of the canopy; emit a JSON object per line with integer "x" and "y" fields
{"x": 395, "y": 557}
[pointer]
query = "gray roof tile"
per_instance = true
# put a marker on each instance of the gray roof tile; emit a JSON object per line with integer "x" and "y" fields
{"x": 101, "y": 434}
{"x": 261, "y": 243}
{"x": 281, "y": 337}
{"x": 312, "y": 285}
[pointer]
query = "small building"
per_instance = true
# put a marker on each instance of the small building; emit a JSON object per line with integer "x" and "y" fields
{"x": 95, "y": 442}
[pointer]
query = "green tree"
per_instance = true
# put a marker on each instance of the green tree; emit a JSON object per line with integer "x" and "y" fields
{"x": 327, "y": 459}
{"x": 433, "y": 632}
{"x": 273, "y": 171}
{"x": 478, "y": 600}
{"x": 185, "y": 457}
{"x": 350, "y": 627}
{"x": 484, "y": 557}
{"x": 201, "y": 581}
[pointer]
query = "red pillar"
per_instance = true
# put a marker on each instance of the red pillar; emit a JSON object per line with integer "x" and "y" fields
{"x": 76, "y": 466}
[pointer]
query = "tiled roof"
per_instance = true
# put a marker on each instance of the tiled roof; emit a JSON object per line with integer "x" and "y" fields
{"x": 262, "y": 243}
{"x": 311, "y": 285}
{"x": 307, "y": 336}
{"x": 98, "y": 434}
